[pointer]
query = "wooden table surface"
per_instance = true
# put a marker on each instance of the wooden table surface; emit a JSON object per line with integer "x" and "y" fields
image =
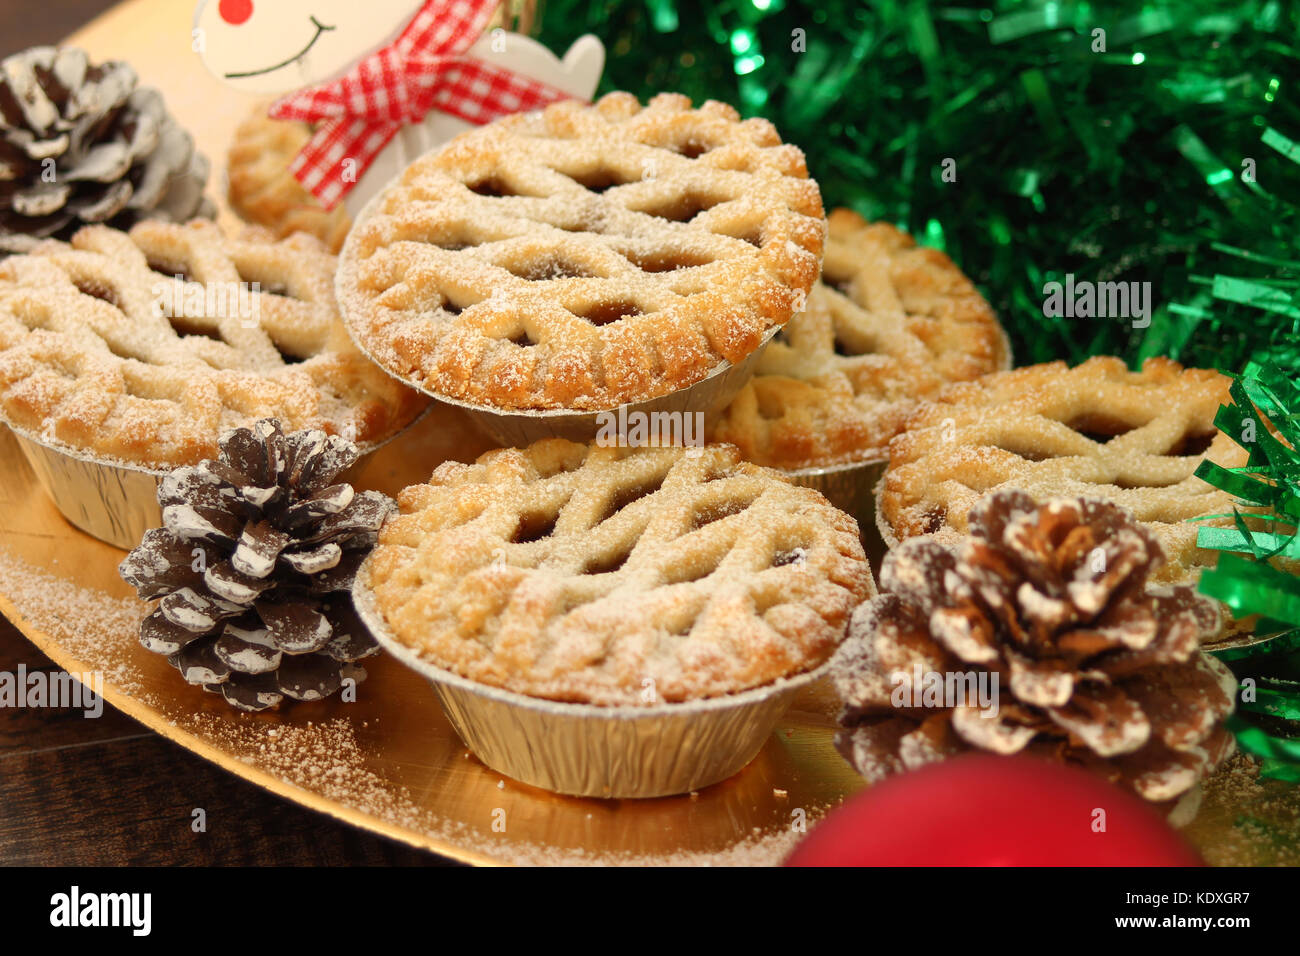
{"x": 107, "y": 792}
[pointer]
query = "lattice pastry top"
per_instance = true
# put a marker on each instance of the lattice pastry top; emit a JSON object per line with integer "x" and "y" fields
{"x": 104, "y": 350}
{"x": 263, "y": 191}
{"x": 592, "y": 574}
{"x": 584, "y": 256}
{"x": 890, "y": 323}
{"x": 1134, "y": 438}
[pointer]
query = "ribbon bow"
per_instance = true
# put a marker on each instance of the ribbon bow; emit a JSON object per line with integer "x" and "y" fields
{"x": 424, "y": 69}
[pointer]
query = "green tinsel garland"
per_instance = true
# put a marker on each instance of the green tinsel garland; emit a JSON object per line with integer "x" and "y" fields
{"x": 1269, "y": 713}
{"x": 1255, "y": 573}
{"x": 1162, "y": 159}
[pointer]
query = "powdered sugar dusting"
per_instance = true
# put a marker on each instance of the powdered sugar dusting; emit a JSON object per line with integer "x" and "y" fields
{"x": 87, "y": 624}
{"x": 1245, "y": 820}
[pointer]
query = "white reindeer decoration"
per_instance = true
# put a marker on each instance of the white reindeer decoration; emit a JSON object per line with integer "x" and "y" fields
{"x": 412, "y": 73}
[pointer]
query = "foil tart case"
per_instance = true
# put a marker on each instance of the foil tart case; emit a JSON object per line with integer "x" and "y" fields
{"x": 116, "y": 501}
{"x": 520, "y": 428}
{"x": 711, "y": 395}
{"x": 113, "y": 501}
{"x": 588, "y": 750}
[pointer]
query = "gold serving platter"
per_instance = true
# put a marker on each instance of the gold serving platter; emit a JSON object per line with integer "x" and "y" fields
{"x": 390, "y": 761}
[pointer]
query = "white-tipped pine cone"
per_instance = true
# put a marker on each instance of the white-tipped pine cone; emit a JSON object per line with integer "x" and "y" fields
{"x": 1091, "y": 666}
{"x": 84, "y": 144}
{"x": 253, "y": 567}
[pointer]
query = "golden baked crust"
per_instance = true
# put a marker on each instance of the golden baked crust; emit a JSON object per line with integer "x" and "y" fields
{"x": 584, "y": 256}
{"x": 889, "y": 323}
{"x": 262, "y": 190}
{"x": 89, "y": 358}
{"x": 592, "y": 574}
{"x": 1134, "y": 438}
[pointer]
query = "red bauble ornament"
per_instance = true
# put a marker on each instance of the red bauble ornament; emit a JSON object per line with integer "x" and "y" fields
{"x": 994, "y": 811}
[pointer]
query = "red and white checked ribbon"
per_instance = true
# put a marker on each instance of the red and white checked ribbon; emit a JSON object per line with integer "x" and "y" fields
{"x": 424, "y": 69}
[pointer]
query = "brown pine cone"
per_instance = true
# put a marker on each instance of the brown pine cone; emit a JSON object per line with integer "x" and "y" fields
{"x": 1045, "y": 608}
{"x": 81, "y": 143}
{"x": 253, "y": 567}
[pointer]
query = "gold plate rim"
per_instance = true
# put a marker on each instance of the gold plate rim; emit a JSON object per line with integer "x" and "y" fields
{"x": 143, "y": 714}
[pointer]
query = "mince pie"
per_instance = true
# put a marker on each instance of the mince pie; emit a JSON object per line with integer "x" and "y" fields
{"x": 144, "y": 347}
{"x": 263, "y": 191}
{"x": 587, "y": 574}
{"x": 1096, "y": 430}
{"x": 889, "y": 323}
{"x": 584, "y": 256}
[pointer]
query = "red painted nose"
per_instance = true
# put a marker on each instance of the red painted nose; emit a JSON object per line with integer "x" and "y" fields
{"x": 235, "y": 12}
